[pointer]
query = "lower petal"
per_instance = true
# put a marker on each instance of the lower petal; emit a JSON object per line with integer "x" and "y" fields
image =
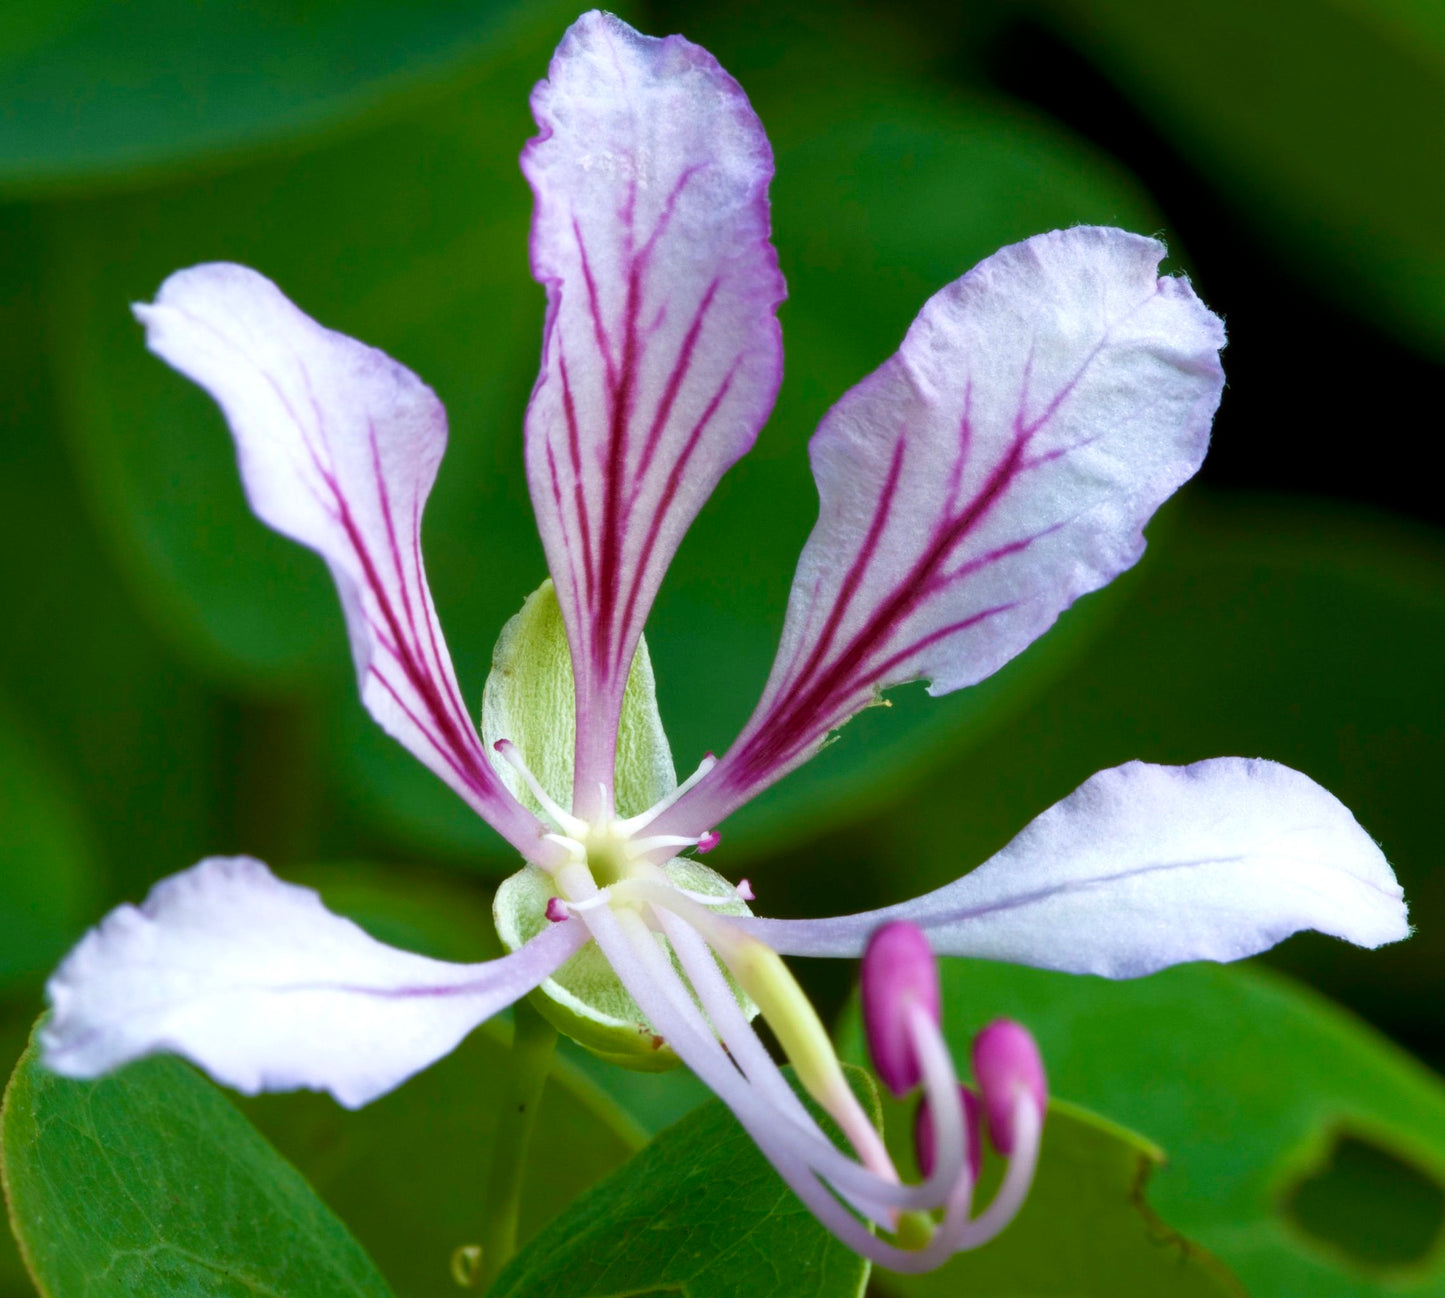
{"x": 1143, "y": 867}
{"x": 267, "y": 990}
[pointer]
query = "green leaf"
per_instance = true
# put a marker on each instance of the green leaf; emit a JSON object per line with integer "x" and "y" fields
{"x": 407, "y": 1172}
{"x": 47, "y": 869}
{"x": 701, "y": 1212}
{"x": 97, "y": 92}
{"x": 1304, "y": 1149}
{"x": 1087, "y": 1229}
{"x": 1286, "y": 106}
{"x": 149, "y": 1182}
{"x": 530, "y": 700}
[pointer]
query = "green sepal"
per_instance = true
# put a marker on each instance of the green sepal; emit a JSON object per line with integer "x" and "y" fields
{"x": 529, "y": 699}
{"x": 584, "y": 999}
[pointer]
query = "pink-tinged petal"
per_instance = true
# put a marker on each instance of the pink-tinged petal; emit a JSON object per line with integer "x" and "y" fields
{"x": 1144, "y": 866}
{"x": 263, "y": 987}
{"x": 338, "y": 448}
{"x": 1001, "y": 464}
{"x": 661, "y": 353}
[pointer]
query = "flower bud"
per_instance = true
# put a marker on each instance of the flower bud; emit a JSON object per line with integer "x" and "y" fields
{"x": 923, "y": 1139}
{"x": 1006, "y": 1064}
{"x": 898, "y": 971}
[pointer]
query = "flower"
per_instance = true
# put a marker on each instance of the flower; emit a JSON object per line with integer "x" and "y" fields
{"x": 1002, "y": 463}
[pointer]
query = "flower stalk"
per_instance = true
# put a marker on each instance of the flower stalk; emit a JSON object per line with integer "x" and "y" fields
{"x": 534, "y": 1044}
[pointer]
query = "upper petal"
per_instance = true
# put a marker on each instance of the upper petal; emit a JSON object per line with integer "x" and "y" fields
{"x": 338, "y": 448}
{"x": 263, "y": 987}
{"x": 1001, "y": 464}
{"x": 1144, "y": 866}
{"x": 661, "y": 354}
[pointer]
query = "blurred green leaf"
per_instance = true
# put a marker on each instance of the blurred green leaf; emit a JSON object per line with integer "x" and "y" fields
{"x": 1087, "y": 1229}
{"x": 130, "y": 733}
{"x": 393, "y": 238}
{"x": 1324, "y": 120}
{"x": 1246, "y": 1080}
{"x": 149, "y": 1182}
{"x": 407, "y": 1172}
{"x": 48, "y": 882}
{"x": 699, "y": 1212}
{"x": 99, "y": 93}
{"x": 650, "y": 1100}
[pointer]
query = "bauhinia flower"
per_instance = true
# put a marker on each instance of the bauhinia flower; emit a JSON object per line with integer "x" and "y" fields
{"x": 1000, "y": 465}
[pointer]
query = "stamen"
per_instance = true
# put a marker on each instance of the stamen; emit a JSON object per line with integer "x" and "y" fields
{"x": 640, "y": 821}
{"x": 1007, "y": 1065}
{"x": 598, "y": 899}
{"x": 564, "y": 820}
{"x": 576, "y": 853}
{"x": 639, "y": 846}
{"x": 924, "y": 1145}
{"x": 708, "y": 841}
{"x": 557, "y": 910}
{"x": 745, "y": 890}
{"x": 705, "y": 898}
{"x": 898, "y": 972}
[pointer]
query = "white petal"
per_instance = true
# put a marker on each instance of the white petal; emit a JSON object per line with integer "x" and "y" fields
{"x": 1144, "y": 866}
{"x": 338, "y": 448}
{"x": 662, "y": 354}
{"x": 1001, "y": 464}
{"x": 267, "y": 990}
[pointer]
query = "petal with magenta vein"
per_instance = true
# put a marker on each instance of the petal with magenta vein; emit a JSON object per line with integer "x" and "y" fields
{"x": 1143, "y": 867}
{"x": 661, "y": 354}
{"x": 267, "y": 990}
{"x": 1001, "y": 464}
{"x": 338, "y": 448}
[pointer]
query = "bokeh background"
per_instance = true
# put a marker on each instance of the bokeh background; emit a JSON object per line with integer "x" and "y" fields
{"x": 175, "y": 682}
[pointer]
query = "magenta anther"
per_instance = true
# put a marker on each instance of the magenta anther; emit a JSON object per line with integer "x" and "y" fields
{"x": 1006, "y": 1064}
{"x": 898, "y": 972}
{"x": 923, "y": 1140}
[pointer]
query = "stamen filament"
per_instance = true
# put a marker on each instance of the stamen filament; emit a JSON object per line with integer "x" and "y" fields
{"x": 671, "y": 842}
{"x": 805, "y": 1041}
{"x": 564, "y": 820}
{"x": 641, "y": 821}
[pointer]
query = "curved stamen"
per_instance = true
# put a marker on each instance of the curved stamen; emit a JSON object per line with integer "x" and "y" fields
{"x": 649, "y": 976}
{"x": 569, "y": 824}
{"x": 750, "y": 1055}
{"x": 856, "y": 1181}
{"x": 1028, "y": 1131}
{"x": 631, "y": 825}
{"x": 765, "y": 978}
{"x": 669, "y": 843}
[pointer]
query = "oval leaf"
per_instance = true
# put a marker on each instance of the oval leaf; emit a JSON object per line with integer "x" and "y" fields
{"x": 149, "y": 1182}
